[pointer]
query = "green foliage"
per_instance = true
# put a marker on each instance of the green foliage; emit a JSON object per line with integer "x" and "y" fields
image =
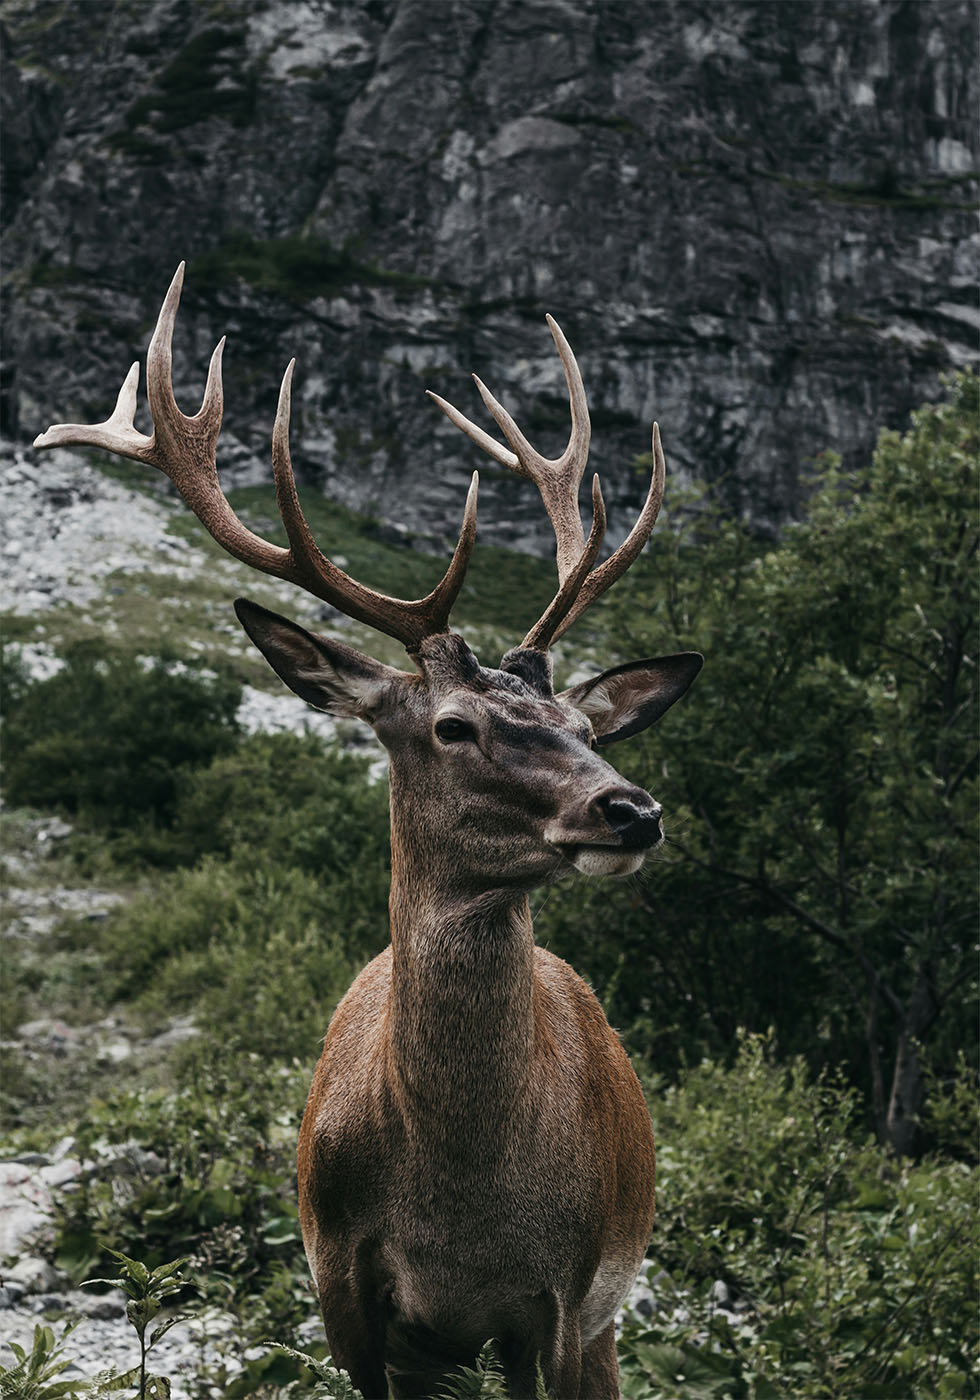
{"x": 304, "y": 805}
{"x": 33, "y": 1376}
{"x": 262, "y": 953}
{"x": 262, "y": 944}
{"x": 331, "y": 1384}
{"x": 860, "y": 1273}
{"x": 217, "y": 1183}
{"x": 147, "y": 1291}
{"x": 820, "y": 783}
{"x": 108, "y": 737}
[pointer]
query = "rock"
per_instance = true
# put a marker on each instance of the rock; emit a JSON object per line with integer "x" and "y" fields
{"x": 30, "y": 1159}
{"x": 72, "y": 541}
{"x": 102, "y": 1306}
{"x": 400, "y": 202}
{"x": 125, "y": 1159}
{"x": 262, "y": 712}
{"x": 25, "y": 1207}
{"x": 52, "y": 1034}
{"x": 181, "y": 1029}
{"x": 35, "y": 1275}
{"x": 47, "y": 1304}
{"x": 721, "y": 1294}
{"x": 53, "y": 828}
{"x": 641, "y": 1300}
{"x": 60, "y": 1173}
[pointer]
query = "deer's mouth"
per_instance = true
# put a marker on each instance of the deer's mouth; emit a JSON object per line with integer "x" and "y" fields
{"x": 601, "y": 859}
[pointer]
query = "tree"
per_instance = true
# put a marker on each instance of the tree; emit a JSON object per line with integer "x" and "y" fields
{"x": 822, "y": 774}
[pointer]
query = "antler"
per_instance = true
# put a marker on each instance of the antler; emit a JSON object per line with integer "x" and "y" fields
{"x": 558, "y": 482}
{"x": 184, "y": 448}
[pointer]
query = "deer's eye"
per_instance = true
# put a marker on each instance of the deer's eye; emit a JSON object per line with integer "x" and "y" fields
{"x": 454, "y": 731}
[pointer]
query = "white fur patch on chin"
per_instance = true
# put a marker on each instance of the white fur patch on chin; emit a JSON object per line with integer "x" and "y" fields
{"x": 601, "y": 860}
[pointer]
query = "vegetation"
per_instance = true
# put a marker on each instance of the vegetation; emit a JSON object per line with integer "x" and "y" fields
{"x": 796, "y": 977}
{"x": 110, "y": 737}
{"x": 295, "y": 267}
{"x": 820, "y": 785}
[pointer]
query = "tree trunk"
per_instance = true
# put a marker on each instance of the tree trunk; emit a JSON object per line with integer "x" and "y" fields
{"x": 906, "y": 1096}
{"x": 874, "y": 1060}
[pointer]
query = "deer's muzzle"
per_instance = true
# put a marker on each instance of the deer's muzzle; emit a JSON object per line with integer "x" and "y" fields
{"x": 610, "y": 833}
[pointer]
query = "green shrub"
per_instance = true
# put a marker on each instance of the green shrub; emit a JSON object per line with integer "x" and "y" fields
{"x": 860, "y": 1271}
{"x": 108, "y": 737}
{"x": 288, "y": 899}
{"x": 260, "y": 954}
{"x": 219, "y": 1187}
{"x": 294, "y": 801}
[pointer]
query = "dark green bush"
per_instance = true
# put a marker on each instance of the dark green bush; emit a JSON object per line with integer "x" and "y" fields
{"x": 292, "y": 799}
{"x": 261, "y": 954}
{"x": 819, "y": 783}
{"x": 859, "y": 1272}
{"x": 287, "y": 899}
{"x": 108, "y": 737}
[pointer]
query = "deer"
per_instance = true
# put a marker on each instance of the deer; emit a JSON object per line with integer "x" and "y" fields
{"x": 476, "y": 1158}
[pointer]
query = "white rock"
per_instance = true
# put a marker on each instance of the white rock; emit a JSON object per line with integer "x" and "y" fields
{"x": 61, "y": 1173}
{"x": 35, "y": 1275}
{"x": 25, "y": 1207}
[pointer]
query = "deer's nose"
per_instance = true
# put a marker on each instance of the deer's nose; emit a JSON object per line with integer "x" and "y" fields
{"x": 633, "y": 816}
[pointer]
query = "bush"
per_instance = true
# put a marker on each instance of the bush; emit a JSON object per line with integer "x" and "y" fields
{"x": 292, "y": 799}
{"x": 218, "y": 1185}
{"x": 259, "y": 954}
{"x": 108, "y": 737}
{"x": 859, "y": 1272}
{"x": 287, "y": 900}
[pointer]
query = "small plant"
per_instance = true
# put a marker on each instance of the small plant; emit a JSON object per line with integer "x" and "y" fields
{"x": 33, "y": 1376}
{"x": 331, "y": 1384}
{"x": 485, "y": 1381}
{"x": 146, "y": 1291}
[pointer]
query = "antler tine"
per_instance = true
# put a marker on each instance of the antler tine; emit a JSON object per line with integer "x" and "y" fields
{"x": 557, "y": 479}
{"x": 184, "y": 448}
{"x": 619, "y": 561}
{"x": 548, "y": 625}
{"x": 117, "y": 434}
{"x": 408, "y": 622}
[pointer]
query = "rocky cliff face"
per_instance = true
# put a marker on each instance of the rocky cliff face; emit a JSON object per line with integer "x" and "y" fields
{"x": 754, "y": 221}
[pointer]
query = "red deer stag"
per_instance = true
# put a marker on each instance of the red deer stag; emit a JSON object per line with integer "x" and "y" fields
{"x": 476, "y": 1160}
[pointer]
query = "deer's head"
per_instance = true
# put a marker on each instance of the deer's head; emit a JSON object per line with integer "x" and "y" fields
{"x": 495, "y": 777}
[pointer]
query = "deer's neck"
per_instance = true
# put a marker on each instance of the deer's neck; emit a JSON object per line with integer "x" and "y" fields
{"x": 461, "y": 1014}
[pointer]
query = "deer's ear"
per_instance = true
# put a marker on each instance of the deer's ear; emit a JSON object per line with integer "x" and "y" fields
{"x": 324, "y": 673}
{"x": 630, "y": 698}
